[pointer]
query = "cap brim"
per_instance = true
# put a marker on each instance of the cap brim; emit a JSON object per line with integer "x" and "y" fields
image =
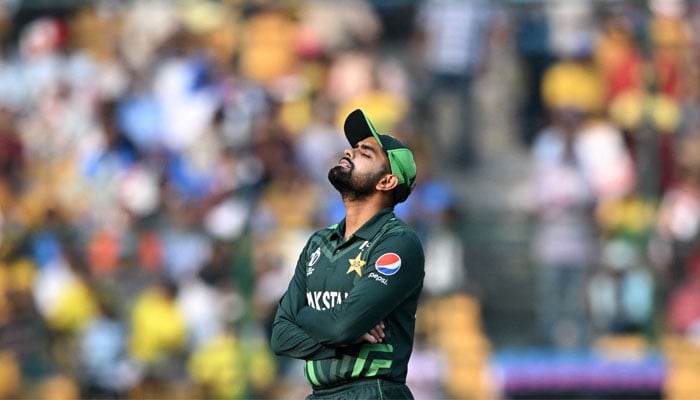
{"x": 357, "y": 127}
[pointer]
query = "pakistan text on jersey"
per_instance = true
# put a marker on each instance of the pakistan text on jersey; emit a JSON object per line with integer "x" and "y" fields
{"x": 325, "y": 300}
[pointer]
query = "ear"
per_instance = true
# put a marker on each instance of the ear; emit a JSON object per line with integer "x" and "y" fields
{"x": 387, "y": 183}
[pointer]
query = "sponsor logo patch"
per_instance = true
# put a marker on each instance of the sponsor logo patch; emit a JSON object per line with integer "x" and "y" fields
{"x": 378, "y": 278}
{"x": 388, "y": 264}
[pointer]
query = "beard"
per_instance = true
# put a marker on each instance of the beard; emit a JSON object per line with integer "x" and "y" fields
{"x": 353, "y": 186}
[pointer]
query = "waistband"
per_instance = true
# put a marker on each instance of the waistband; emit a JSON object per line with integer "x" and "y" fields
{"x": 374, "y": 383}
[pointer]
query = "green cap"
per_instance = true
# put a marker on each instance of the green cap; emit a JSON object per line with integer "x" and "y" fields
{"x": 358, "y": 127}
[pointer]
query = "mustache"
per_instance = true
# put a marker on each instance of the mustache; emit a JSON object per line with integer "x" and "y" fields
{"x": 348, "y": 160}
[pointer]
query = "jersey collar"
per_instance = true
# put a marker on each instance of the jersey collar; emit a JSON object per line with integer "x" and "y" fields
{"x": 370, "y": 229}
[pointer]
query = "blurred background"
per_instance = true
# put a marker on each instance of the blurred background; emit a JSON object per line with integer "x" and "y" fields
{"x": 162, "y": 164}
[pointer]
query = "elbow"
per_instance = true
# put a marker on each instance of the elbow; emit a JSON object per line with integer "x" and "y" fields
{"x": 277, "y": 343}
{"x": 275, "y": 346}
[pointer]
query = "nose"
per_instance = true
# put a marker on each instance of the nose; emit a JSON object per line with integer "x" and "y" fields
{"x": 348, "y": 153}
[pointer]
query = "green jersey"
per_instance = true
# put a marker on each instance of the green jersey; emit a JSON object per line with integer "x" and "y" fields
{"x": 343, "y": 288}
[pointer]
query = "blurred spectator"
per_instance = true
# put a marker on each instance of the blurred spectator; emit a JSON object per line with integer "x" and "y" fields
{"x": 233, "y": 366}
{"x": 268, "y": 44}
{"x": 648, "y": 114}
{"x": 12, "y": 159}
{"x": 535, "y": 54}
{"x": 102, "y": 347}
{"x": 574, "y": 83}
{"x": 24, "y": 333}
{"x": 10, "y": 374}
{"x": 157, "y": 331}
{"x": 622, "y": 290}
{"x": 668, "y": 37}
{"x": 683, "y": 313}
{"x": 330, "y": 29}
{"x": 564, "y": 243}
{"x": 499, "y": 90}
{"x": 444, "y": 248}
{"x": 186, "y": 248}
{"x": 201, "y": 308}
{"x": 386, "y": 92}
{"x": 572, "y": 27}
{"x": 691, "y": 77}
{"x": 145, "y": 27}
{"x": 217, "y": 366}
{"x": 60, "y": 387}
{"x": 678, "y": 218}
{"x": 450, "y": 36}
{"x": 579, "y": 161}
{"x": 619, "y": 54}
{"x": 318, "y": 145}
{"x": 432, "y": 209}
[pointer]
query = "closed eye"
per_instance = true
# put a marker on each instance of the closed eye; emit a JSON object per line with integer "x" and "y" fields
{"x": 367, "y": 151}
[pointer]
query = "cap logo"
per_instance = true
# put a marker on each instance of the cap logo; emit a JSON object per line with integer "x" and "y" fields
{"x": 388, "y": 264}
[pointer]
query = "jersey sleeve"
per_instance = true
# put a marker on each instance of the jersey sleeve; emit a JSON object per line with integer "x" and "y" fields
{"x": 379, "y": 291}
{"x": 288, "y": 338}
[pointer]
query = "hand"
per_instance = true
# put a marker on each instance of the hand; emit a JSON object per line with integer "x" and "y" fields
{"x": 375, "y": 335}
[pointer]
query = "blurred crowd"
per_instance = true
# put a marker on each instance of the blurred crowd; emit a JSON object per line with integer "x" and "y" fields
{"x": 162, "y": 164}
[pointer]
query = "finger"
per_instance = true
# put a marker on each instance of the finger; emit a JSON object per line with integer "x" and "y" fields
{"x": 369, "y": 338}
{"x": 380, "y": 329}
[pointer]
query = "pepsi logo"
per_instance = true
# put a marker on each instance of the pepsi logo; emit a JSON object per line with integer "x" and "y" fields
{"x": 388, "y": 264}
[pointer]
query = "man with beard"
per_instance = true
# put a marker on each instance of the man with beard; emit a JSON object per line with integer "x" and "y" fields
{"x": 350, "y": 308}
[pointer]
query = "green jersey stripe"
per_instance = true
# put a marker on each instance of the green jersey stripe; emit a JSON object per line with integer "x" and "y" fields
{"x": 334, "y": 367}
{"x": 345, "y": 363}
{"x": 322, "y": 377}
{"x": 311, "y": 374}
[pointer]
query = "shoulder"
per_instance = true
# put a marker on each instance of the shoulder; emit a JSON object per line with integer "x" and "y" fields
{"x": 400, "y": 236}
{"x": 319, "y": 238}
{"x": 324, "y": 232}
{"x": 397, "y": 226}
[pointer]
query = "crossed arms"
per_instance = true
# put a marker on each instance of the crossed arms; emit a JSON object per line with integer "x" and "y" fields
{"x": 300, "y": 331}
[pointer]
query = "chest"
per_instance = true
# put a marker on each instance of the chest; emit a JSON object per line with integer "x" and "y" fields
{"x": 337, "y": 268}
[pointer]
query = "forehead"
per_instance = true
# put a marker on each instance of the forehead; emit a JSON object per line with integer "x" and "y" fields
{"x": 371, "y": 142}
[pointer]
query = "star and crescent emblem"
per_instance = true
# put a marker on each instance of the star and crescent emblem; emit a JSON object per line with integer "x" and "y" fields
{"x": 356, "y": 265}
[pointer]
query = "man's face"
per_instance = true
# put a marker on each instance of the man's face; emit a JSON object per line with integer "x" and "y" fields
{"x": 359, "y": 170}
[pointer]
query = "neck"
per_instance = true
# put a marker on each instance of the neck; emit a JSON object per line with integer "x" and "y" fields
{"x": 358, "y": 212}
